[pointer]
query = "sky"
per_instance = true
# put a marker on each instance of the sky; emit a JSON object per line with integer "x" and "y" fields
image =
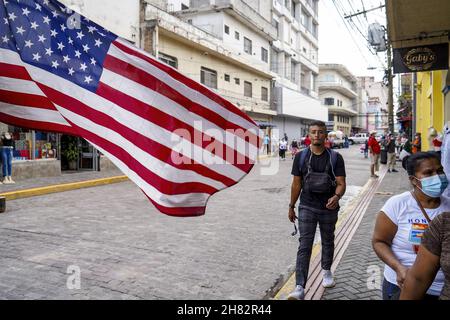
{"x": 338, "y": 45}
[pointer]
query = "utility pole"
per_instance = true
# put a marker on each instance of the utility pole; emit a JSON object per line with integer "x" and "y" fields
{"x": 389, "y": 66}
{"x": 390, "y": 76}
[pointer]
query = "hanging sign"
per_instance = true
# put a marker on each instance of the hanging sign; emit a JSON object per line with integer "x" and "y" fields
{"x": 421, "y": 58}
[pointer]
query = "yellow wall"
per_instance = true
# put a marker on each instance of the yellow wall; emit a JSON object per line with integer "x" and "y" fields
{"x": 430, "y": 104}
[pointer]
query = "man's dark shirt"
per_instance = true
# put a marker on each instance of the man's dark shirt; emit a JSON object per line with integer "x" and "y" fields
{"x": 391, "y": 146}
{"x": 318, "y": 164}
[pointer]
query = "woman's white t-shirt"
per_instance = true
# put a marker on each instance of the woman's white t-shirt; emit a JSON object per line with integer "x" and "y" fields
{"x": 404, "y": 212}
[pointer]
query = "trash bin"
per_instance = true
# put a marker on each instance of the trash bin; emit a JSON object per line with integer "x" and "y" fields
{"x": 383, "y": 157}
{"x": 2, "y": 204}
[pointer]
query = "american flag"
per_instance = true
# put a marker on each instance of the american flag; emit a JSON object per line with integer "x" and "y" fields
{"x": 61, "y": 72}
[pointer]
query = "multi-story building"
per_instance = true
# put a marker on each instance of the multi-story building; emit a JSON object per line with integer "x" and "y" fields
{"x": 294, "y": 60}
{"x": 361, "y": 123}
{"x": 375, "y": 117}
{"x": 224, "y": 44}
{"x": 404, "y": 111}
{"x": 337, "y": 92}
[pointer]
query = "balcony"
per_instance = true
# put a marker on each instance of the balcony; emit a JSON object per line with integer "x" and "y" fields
{"x": 346, "y": 91}
{"x": 344, "y": 111}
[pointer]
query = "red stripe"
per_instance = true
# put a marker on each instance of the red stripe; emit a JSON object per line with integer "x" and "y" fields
{"x": 14, "y": 71}
{"x": 35, "y": 125}
{"x": 187, "y": 81}
{"x": 26, "y": 99}
{"x": 179, "y": 211}
{"x": 151, "y": 147}
{"x": 171, "y": 124}
{"x": 148, "y": 80}
{"x": 138, "y": 75}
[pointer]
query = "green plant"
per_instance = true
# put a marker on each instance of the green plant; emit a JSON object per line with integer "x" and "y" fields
{"x": 71, "y": 151}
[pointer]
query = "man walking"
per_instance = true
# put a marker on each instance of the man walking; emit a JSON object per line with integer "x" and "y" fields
{"x": 319, "y": 180}
{"x": 391, "y": 155}
{"x": 374, "y": 150}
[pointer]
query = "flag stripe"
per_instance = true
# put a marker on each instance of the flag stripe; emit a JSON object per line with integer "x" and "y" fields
{"x": 19, "y": 85}
{"x": 215, "y": 101}
{"x": 122, "y": 149}
{"x": 186, "y": 200}
{"x": 19, "y": 121}
{"x": 172, "y": 124}
{"x": 125, "y": 87}
{"x": 24, "y": 99}
{"x": 148, "y": 152}
{"x": 182, "y": 85}
{"x": 153, "y": 83}
{"x": 14, "y": 71}
{"x": 32, "y": 114}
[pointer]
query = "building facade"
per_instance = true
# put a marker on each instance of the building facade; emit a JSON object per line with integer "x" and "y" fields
{"x": 294, "y": 60}
{"x": 338, "y": 92}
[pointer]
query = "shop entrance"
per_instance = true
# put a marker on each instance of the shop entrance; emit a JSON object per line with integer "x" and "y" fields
{"x": 78, "y": 154}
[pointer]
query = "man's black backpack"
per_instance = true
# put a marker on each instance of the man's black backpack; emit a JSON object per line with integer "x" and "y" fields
{"x": 318, "y": 182}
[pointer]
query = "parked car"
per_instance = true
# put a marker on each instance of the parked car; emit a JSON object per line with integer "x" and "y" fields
{"x": 359, "y": 138}
{"x": 336, "y": 139}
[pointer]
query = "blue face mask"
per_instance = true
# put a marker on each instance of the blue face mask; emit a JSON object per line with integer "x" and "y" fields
{"x": 434, "y": 186}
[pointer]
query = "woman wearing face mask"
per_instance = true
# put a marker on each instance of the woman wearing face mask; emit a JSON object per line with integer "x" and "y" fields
{"x": 403, "y": 220}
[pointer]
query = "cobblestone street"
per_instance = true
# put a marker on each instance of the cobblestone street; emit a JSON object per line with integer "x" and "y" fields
{"x": 126, "y": 249}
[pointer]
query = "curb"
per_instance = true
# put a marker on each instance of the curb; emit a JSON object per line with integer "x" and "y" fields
{"x": 33, "y": 192}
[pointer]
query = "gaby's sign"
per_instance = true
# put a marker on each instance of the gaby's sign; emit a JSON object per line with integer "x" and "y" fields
{"x": 421, "y": 58}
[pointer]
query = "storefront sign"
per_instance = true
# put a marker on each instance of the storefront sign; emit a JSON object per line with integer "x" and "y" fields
{"x": 423, "y": 58}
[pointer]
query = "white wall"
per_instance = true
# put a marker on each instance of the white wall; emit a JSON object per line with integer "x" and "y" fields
{"x": 118, "y": 16}
{"x": 297, "y": 104}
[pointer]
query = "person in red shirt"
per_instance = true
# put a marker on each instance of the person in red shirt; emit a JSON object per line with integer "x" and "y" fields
{"x": 375, "y": 151}
{"x": 307, "y": 141}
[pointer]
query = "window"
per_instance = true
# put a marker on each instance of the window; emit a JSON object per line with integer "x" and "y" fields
{"x": 227, "y": 29}
{"x": 293, "y": 71}
{"x": 329, "y": 101}
{"x": 247, "y": 89}
{"x": 331, "y": 117}
{"x": 247, "y": 45}
{"x": 171, "y": 61}
{"x": 237, "y": 81}
{"x": 264, "y": 55}
{"x": 208, "y": 77}
{"x": 227, "y": 77}
{"x": 236, "y": 35}
{"x": 276, "y": 25}
{"x": 264, "y": 94}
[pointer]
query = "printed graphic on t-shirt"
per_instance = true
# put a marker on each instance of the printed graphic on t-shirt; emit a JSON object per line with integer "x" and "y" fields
{"x": 416, "y": 233}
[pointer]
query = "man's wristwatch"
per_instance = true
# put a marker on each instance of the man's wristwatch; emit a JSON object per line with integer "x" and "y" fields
{"x": 291, "y": 206}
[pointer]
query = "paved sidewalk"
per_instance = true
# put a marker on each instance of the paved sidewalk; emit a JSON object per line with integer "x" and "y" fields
{"x": 359, "y": 274}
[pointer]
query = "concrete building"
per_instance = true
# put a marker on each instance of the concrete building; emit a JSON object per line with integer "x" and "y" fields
{"x": 362, "y": 105}
{"x": 226, "y": 41}
{"x": 337, "y": 92}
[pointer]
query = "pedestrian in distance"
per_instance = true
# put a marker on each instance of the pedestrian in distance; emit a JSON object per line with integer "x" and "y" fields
{"x": 417, "y": 143}
{"x": 404, "y": 218}
{"x": 391, "y": 154}
{"x": 374, "y": 151}
{"x": 319, "y": 180}
{"x": 307, "y": 141}
{"x": 266, "y": 142}
{"x": 294, "y": 148}
{"x": 7, "y": 156}
{"x": 283, "y": 148}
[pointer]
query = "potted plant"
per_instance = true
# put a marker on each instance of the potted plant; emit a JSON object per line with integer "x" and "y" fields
{"x": 71, "y": 154}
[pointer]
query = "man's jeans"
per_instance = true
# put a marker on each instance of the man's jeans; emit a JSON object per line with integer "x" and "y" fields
{"x": 7, "y": 154}
{"x": 307, "y": 224}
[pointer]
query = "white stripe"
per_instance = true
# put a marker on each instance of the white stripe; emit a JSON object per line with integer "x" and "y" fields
{"x": 123, "y": 116}
{"x": 184, "y": 200}
{"x": 34, "y": 114}
{"x": 162, "y": 169}
{"x": 19, "y": 85}
{"x": 183, "y": 89}
{"x": 170, "y": 107}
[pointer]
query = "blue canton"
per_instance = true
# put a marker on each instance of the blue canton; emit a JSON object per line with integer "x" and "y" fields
{"x": 52, "y": 37}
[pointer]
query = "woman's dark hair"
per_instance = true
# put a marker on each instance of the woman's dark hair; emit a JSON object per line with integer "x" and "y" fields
{"x": 413, "y": 162}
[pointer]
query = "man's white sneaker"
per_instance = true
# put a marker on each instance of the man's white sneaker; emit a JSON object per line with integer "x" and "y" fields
{"x": 328, "y": 280}
{"x": 297, "y": 294}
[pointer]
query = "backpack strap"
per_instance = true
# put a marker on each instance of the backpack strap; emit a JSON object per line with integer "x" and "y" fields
{"x": 333, "y": 159}
{"x": 303, "y": 154}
